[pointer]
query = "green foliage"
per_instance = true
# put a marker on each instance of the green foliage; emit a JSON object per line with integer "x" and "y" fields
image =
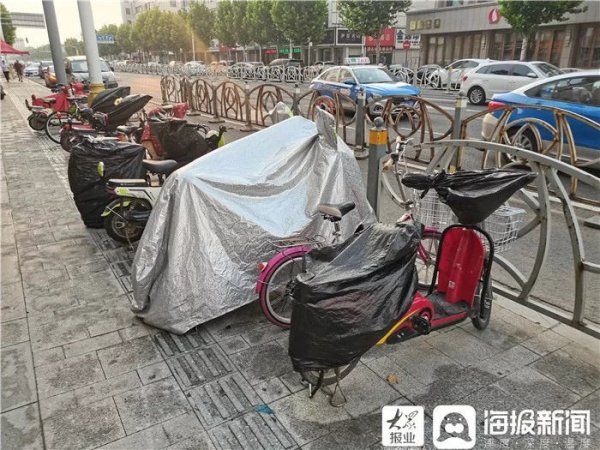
{"x": 124, "y": 38}
{"x": 241, "y": 31}
{"x": 526, "y": 16}
{"x": 202, "y": 21}
{"x": 74, "y": 47}
{"x": 370, "y": 17}
{"x": 156, "y": 30}
{"x": 225, "y": 23}
{"x": 300, "y": 21}
{"x": 260, "y": 23}
{"x": 7, "y": 27}
{"x": 108, "y": 49}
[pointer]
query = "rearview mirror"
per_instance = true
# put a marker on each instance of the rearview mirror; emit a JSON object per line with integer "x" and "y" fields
{"x": 532, "y": 75}
{"x": 349, "y": 82}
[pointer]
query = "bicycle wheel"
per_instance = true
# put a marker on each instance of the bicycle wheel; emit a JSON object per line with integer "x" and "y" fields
{"x": 482, "y": 319}
{"x": 329, "y": 376}
{"x": 54, "y": 124}
{"x": 276, "y": 293}
{"x": 426, "y": 257}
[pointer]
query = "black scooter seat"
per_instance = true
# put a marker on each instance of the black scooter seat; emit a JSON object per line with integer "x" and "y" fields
{"x": 126, "y": 182}
{"x": 164, "y": 167}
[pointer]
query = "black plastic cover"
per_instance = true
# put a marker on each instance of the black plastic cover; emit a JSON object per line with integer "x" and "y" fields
{"x": 351, "y": 295}
{"x": 121, "y": 160}
{"x": 105, "y": 100}
{"x": 180, "y": 140}
{"x": 126, "y": 107}
{"x": 473, "y": 195}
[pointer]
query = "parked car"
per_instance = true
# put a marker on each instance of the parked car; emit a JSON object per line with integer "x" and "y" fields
{"x": 577, "y": 92}
{"x": 377, "y": 83}
{"x": 194, "y": 67}
{"x": 77, "y": 69}
{"x": 494, "y": 78}
{"x": 32, "y": 69}
{"x": 286, "y": 62}
{"x": 43, "y": 66}
{"x": 454, "y": 72}
{"x": 49, "y": 76}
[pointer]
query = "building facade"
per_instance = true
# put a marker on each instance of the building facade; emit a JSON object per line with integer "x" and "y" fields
{"x": 130, "y": 9}
{"x": 460, "y": 29}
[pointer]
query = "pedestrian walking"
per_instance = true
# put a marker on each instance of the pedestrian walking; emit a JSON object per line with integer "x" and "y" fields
{"x": 5, "y": 70}
{"x": 19, "y": 67}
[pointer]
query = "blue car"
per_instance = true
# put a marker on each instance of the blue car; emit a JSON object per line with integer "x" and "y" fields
{"x": 577, "y": 92}
{"x": 376, "y": 81}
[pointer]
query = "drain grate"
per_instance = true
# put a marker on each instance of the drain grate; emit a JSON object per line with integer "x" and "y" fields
{"x": 200, "y": 366}
{"x": 223, "y": 399}
{"x": 172, "y": 344}
{"x": 252, "y": 430}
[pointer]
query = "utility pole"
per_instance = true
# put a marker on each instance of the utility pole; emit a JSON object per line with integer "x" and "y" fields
{"x": 1, "y": 31}
{"x": 91, "y": 48}
{"x": 58, "y": 58}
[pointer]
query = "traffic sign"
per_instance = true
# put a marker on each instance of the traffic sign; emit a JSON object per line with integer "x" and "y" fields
{"x": 406, "y": 45}
{"x": 105, "y": 38}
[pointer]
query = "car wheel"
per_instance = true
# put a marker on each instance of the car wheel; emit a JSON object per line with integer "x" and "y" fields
{"x": 476, "y": 95}
{"x": 525, "y": 140}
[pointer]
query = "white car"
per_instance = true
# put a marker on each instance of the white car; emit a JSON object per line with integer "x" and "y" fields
{"x": 454, "y": 72}
{"x": 497, "y": 77}
{"x": 77, "y": 69}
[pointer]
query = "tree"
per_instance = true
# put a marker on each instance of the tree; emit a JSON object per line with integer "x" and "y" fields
{"x": 73, "y": 47}
{"x": 260, "y": 23}
{"x": 109, "y": 49}
{"x": 301, "y": 22}
{"x": 371, "y": 17}
{"x": 202, "y": 22}
{"x": 8, "y": 28}
{"x": 124, "y": 38}
{"x": 526, "y": 16}
{"x": 225, "y": 23}
{"x": 161, "y": 31}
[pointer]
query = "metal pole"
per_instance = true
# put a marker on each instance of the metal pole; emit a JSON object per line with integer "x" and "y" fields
{"x": 460, "y": 106}
{"x": 91, "y": 48}
{"x": 1, "y": 31}
{"x": 194, "y": 49}
{"x": 378, "y": 140}
{"x": 248, "y": 126}
{"x": 359, "y": 136}
{"x": 58, "y": 58}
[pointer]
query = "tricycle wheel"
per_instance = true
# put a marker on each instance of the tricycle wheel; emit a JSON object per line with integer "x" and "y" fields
{"x": 36, "y": 122}
{"x": 484, "y": 309}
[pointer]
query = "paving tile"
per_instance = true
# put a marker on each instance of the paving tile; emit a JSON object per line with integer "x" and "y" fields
{"x": 14, "y": 332}
{"x": 53, "y": 334}
{"x": 307, "y": 419}
{"x": 404, "y": 383}
{"x": 569, "y": 372}
{"x": 182, "y": 427}
{"x": 237, "y": 322}
{"x": 535, "y": 389}
{"x": 508, "y": 361}
{"x": 69, "y": 401}
{"x": 87, "y": 427}
{"x": 421, "y": 360}
{"x": 499, "y": 333}
{"x": 21, "y": 429}
{"x": 200, "y": 366}
{"x": 463, "y": 347}
{"x": 12, "y": 305}
{"x": 136, "y": 330}
{"x": 92, "y": 344}
{"x": 47, "y": 356}
{"x": 263, "y": 334}
{"x": 222, "y": 399}
{"x": 197, "y": 442}
{"x": 69, "y": 374}
{"x": 252, "y": 430}
{"x": 292, "y": 381}
{"x": 233, "y": 345}
{"x": 351, "y": 434}
{"x": 18, "y": 382}
{"x": 271, "y": 390}
{"x": 151, "y": 404}
{"x": 150, "y": 438}
{"x": 129, "y": 355}
{"x": 545, "y": 342}
{"x": 172, "y": 344}
{"x": 154, "y": 372}
{"x": 261, "y": 362}
{"x": 591, "y": 402}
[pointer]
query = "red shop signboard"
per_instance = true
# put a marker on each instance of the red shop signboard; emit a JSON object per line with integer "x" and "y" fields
{"x": 387, "y": 40}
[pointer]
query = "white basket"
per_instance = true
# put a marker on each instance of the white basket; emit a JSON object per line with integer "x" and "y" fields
{"x": 503, "y": 226}
{"x": 431, "y": 212}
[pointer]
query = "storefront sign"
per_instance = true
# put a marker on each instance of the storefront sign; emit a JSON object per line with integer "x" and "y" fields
{"x": 329, "y": 37}
{"x": 286, "y": 50}
{"x": 347, "y": 37}
{"x": 429, "y": 24}
{"x": 388, "y": 39}
{"x": 413, "y": 39}
{"x": 271, "y": 51}
{"x": 494, "y": 16}
{"x": 406, "y": 45}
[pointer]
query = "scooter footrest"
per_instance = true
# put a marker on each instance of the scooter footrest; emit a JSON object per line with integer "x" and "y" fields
{"x": 126, "y": 182}
{"x": 443, "y": 308}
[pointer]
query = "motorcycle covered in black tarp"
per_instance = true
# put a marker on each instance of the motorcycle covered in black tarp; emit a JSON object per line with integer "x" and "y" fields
{"x": 121, "y": 160}
{"x": 105, "y": 100}
{"x": 179, "y": 140}
{"x": 351, "y": 294}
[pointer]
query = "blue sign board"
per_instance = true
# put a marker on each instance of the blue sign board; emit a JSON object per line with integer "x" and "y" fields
{"x": 105, "y": 38}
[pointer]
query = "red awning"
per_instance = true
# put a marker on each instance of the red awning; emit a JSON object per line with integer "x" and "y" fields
{"x": 7, "y": 49}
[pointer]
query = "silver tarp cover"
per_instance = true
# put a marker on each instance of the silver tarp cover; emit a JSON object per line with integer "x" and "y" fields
{"x": 216, "y": 219}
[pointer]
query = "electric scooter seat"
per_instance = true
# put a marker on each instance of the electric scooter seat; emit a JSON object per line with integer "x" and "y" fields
{"x": 335, "y": 211}
{"x": 164, "y": 167}
{"x": 126, "y": 182}
{"x": 127, "y": 129}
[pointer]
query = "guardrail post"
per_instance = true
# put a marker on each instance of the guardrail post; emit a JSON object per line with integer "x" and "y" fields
{"x": 359, "y": 133}
{"x": 449, "y": 79}
{"x": 215, "y": 117}
{"x": 248, "y": 126}
{"x": 378, "y": 139}
{"x": 459, "y": 108}
{"x": 295, "y": 101}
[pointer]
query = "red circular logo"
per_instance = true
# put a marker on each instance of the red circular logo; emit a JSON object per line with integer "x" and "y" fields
{"x": 494, "y": 16}
{"x": 406, "y": 45}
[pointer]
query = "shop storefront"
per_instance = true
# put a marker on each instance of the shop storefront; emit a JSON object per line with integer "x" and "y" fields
{"x": 479, "y": 31}
{"x": 387, "y": 43}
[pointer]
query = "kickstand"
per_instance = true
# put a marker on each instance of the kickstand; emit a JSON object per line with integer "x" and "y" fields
{"x": 312, "y": 391}
{"x": 337, "y": 398}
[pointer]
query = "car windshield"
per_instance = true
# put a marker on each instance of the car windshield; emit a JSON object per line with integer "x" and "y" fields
{"x": 548, "y": 69}
{"x": 369, "y": 75}
{"x": 80, "y": 66}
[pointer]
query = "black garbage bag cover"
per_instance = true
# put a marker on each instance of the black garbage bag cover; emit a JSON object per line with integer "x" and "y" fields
{"x": 125, "y": 108}
{"x": 121, "y": 160}
{"x": 351, "y": 295}
{"x": 180, "y": 140}
{"x": 104, "y": 101}
{"x": 474, "y": 195}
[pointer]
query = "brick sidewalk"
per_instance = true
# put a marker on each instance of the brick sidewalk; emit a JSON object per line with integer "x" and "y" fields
{"x": 80, "y": 371}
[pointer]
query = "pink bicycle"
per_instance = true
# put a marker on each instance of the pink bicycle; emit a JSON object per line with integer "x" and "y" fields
{"x": 277, "y": 276}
